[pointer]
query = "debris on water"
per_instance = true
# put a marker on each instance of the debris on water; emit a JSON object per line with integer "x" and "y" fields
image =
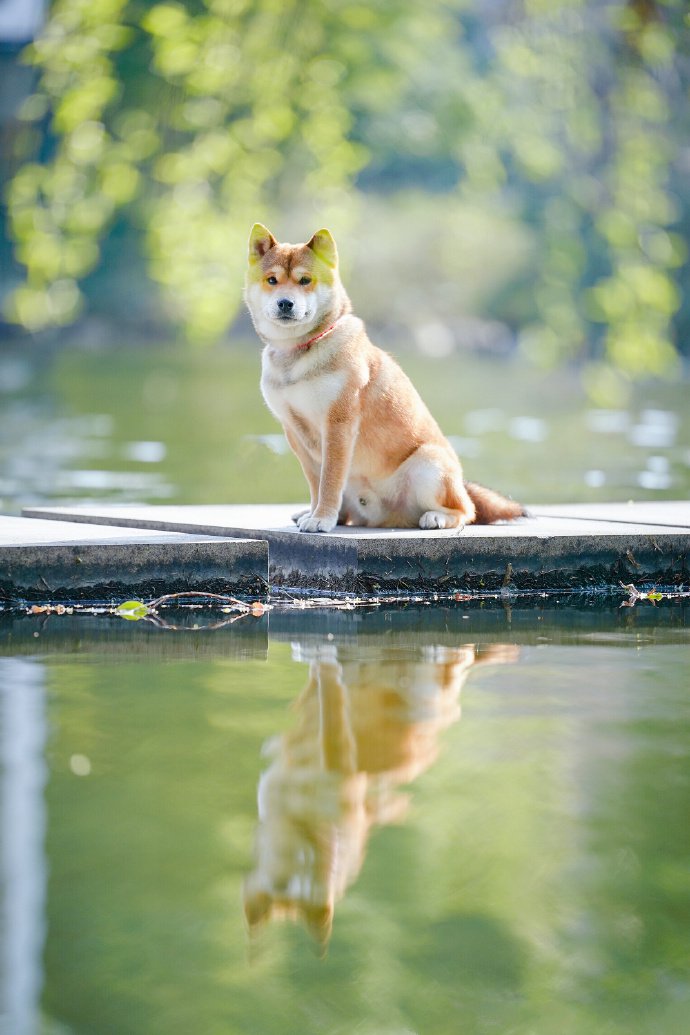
{"x": 134, "y": 610}
{"x": 150, "y": 611}
{"x": 54, "y": 609}
{"x": 233, "y": 609}
{"x": 634, "y": 594}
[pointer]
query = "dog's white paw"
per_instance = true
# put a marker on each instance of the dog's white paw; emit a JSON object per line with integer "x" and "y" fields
{"x": 315, "y": 523}
{"x": 297, "y": 517}
{"x": 436, "y": 519}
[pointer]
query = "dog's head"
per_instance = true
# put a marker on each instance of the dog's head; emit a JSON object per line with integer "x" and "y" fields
{"x": 291, "y": 288}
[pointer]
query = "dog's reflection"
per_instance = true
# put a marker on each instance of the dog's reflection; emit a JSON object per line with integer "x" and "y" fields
{"x": 363, "y": 728}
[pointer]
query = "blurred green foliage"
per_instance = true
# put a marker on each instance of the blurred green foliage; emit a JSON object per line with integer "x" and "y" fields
{"x": 189, "y": 121}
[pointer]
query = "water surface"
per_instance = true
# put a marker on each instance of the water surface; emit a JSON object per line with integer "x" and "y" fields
{"x": 396, "y": 822}
{"x": 408, "y": 821}
{"x": 165, "y": 425}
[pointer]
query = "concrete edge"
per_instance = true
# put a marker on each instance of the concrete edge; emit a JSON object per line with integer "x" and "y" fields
{"x": 336, "y": 564}
{"x": 110, "y": 572}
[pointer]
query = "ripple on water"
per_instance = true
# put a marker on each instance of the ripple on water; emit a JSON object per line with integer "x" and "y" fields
{"x": 657, "y": 429}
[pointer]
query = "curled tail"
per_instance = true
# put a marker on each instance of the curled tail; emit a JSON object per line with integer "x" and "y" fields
{"x": 491, "y": 506}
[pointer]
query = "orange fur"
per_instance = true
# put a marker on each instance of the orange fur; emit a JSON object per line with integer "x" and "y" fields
{"x": 370, "y": 450}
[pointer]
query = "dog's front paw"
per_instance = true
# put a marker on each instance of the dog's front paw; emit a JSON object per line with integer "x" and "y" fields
{"x": 297, "y": 517}
{"x": 317, "y": 522}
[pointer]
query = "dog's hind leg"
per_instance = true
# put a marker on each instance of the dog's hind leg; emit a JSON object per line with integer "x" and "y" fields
{"x": 437, "y": 494}
{"x": 455, "y": 511}
{"x": 442, "y": 518}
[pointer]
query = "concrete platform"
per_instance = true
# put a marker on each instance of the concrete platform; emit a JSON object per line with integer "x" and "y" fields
{"x": 579, "y": 546}
{"x": 61, "y": 561}
{"x": 674, "y": 513}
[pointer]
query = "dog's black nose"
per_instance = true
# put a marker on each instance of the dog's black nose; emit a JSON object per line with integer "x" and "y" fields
{"x": 285, "y": 305}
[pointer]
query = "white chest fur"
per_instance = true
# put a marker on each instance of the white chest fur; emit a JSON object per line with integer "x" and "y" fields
{"x": 301, "y": 387}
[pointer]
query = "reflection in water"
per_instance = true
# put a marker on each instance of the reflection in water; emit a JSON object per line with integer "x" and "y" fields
{"x": 364, "y": 727}
{"x": 22, "y": 826}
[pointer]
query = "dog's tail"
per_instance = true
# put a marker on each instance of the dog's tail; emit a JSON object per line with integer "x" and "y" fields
{"x": 491, "y": 506}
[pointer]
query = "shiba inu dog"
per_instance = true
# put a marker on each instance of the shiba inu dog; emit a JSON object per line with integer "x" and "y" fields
{"x": 370, "y": 450}
{"x": 365, "y": 727}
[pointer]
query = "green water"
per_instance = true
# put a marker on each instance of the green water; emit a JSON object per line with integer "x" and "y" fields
{"x": 158, "y": 425}
{"x": 471, "y": 820}
{"x": 409, "y": 822}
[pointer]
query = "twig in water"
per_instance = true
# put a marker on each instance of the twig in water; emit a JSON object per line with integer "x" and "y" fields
{"x": 635, "y": 594}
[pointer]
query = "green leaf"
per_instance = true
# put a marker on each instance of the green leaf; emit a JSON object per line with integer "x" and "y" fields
{"x": 132, "y": 610}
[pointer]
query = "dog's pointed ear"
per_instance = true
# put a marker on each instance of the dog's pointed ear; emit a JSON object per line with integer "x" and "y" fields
{"x": 261, "y": 241}
{"x": 323, "y": 246}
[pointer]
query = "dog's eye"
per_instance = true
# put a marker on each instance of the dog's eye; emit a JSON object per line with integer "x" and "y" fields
{"x": 271, "y": 280}
{"x": 304, "y": 281}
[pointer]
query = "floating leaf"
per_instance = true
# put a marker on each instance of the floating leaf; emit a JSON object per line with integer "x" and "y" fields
{"x": 132, "y": 610}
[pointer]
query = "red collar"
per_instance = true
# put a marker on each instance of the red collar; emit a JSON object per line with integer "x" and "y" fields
{"x": 307, "y": 344}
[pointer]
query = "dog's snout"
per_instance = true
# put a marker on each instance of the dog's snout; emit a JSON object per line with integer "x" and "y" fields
{"x": 285, "y": 305}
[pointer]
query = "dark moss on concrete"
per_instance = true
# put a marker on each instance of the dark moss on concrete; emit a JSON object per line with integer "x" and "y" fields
{"x": 110, "y": 572}
{"x": 527, "y": 563}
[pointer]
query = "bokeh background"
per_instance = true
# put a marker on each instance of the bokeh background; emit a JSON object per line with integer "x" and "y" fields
{"x": 508, "y": 183}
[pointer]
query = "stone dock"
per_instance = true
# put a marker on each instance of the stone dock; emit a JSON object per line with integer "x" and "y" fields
{"x": 66, "y": 561}
{"x": 113, "y": 552}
